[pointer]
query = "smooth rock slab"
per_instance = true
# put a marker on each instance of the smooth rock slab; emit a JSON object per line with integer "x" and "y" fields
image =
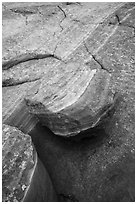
{"x": 23, "y": 176}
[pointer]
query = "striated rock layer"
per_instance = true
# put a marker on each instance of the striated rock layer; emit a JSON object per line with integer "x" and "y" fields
{"x": 14, "y": 109}
{"x": 73, "y": 101}
{"x": 23, "y": 175}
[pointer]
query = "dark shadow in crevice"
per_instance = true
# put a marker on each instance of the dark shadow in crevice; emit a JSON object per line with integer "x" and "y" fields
{"x": 93, "y": 137}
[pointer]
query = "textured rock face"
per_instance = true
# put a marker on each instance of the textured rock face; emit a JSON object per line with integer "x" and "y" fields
{"x": 100, "y": 167}
{"x": 75, "y": 94}
{"x": 14, "y": 110}
{"x": 18, "y": 161}
{"x": 70, "y": 67}
{"x": 22, "y": 172}
{"x": 72, "y": 101}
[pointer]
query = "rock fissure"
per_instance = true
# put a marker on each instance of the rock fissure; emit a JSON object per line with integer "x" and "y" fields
{"x": 10, "y": 82}
{"x": 24, "y": 13}
{"x": 27, "y": 57}
{"x": 96, "y": 60}
{"x": 62, "y": 18}
{"x": 72, "y": 3}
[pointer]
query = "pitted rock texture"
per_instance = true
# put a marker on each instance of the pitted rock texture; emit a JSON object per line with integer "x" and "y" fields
{"x": 18, "y": 164}
{"x": 23, "y": 176}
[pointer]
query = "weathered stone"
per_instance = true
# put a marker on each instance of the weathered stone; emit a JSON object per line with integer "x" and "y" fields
{"x": 23, "y": 175}
{"x": 73, "y": 100}
{"x": 97, "y": 164}
{"x": 101, "y": 166}
{"x": 39, "y": 36}
{"x": 14, "y": 110}
{"x": 59, "y": 101}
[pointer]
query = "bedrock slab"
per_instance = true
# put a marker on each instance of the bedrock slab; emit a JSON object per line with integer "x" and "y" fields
{"x": 39, "y": 36}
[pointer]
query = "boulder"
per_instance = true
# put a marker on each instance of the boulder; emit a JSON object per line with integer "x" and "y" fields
{"x": 77, "y": 92}
{"x": 24, "y": 177}
{"x": 73, "y": 101}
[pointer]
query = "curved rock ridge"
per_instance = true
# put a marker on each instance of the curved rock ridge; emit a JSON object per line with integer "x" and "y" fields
{"x": 73, "y": 101}
{"x": 23, "y": 173}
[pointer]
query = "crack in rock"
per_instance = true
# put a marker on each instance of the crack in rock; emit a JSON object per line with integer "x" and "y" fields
{"x": 10, "y": 82}
{"x": 25, "y": 58}
{"x": 118, "y": 19}
{"x": 72, "y": 3}
{"x": 24, "y": 13}
{"x": 120, "y": 23}
{"x": 94, "y": 57}
{"x": 63, "y": 17}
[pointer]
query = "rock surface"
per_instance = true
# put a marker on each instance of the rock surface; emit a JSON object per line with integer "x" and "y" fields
{"x": 101, "y": 167}
{"x": 73, "y": 101}
{"x": 23, "y": 175}
{"x": 75, "y": 94}
{"x": 14, "y": 110}
{"x": 53, "y": 51}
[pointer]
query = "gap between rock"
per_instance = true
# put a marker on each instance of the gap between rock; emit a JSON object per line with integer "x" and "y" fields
{"x": 6, "y": 83}
{"x": 27, "y": 57}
